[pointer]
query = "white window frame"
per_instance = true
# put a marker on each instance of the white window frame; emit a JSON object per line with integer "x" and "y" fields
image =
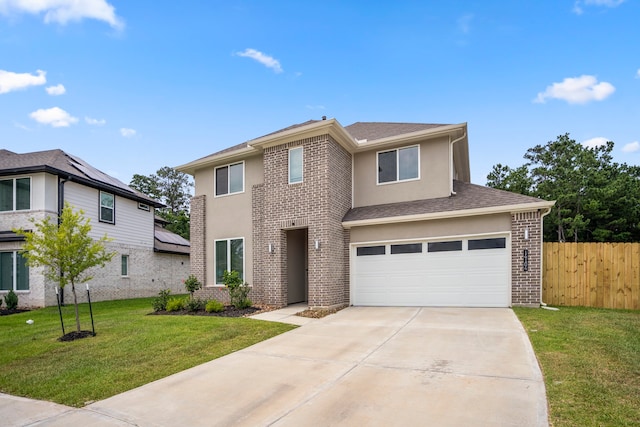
{"x": 397, "y": 180}
{"x": 215, "y": 265}
{"x": 14, "y": 273}
{"x": 301, "y": 150}
{"x": 113, "y": 208}
{"x": 144, "y": 207}
{"x": 14, "y": 194}
{"x": 124, "y": 262}
{"x": 215, "y": 178}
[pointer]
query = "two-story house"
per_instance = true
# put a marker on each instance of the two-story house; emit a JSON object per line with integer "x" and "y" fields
{"x": 367, "y": 214}
{"x": 35, "y": 185}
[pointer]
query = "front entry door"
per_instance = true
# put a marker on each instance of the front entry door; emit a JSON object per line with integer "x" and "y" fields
{"x": 297, "y": 266}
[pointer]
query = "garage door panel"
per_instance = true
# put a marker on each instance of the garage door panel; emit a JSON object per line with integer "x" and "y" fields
{"x": 476, "y": 278}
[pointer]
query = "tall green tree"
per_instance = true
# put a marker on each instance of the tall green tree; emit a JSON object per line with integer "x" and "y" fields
{"x": 65, "y": 250}
{"x": 173, "y": 188}
{"x": 596, "y": 198}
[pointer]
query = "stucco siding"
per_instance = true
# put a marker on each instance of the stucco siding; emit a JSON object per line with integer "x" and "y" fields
{"x": 498, "y": 223}
{"x": 433, "y": 182}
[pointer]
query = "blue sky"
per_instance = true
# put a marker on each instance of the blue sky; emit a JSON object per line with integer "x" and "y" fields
{"x": 131, "y": 86}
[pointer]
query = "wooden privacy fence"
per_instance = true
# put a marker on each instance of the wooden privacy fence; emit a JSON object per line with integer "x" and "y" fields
{"x": 591, "y": 274}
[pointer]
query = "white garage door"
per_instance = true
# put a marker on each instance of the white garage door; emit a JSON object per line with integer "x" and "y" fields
{"x": 466, "y": 272}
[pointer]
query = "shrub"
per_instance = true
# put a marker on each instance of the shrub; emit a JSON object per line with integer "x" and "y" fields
{"x": 175, "y": 304}
{"x": 160, "y": 302}
{"x": 192, "y": 284}
{"x": 11, "y": 300}
{"x": 238, "y": 291}
{"x": 214, "y": 306}
{"x": 194, "y": 304}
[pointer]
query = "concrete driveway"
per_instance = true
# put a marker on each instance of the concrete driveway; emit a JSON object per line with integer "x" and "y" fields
{"x": 362, "y": 366}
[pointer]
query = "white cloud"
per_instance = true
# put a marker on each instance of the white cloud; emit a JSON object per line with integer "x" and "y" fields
{"x": 464, "y": 23}
{"x": 55, "y": 117}
{"x": 56, "y": 90}
{"x": 595, "y": 142}
{"x": 578, "y": 10}
{"x": 577, "y": 90}
{"x": 21, "y": 126}
{"x": 638, "y": 74}
{"x": 10, "y": 81}
{"x": 315, "y": 107}
{"x": 631, "y": 147}
{"x": 95, "y": 122}
{"x": 266, "y": 60}
{"x": 127, "y": 133}
{"x": 63, "y": 11}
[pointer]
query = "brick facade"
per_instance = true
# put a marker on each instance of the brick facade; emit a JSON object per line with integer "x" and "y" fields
{"x": 526, "y": 276}
{"x": 318, "y": 203}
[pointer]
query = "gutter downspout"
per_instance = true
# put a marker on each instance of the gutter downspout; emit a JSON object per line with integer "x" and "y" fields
{"x": 61, "y": 183}
{"x": 542, "y": 303}
{"x": 464, "y": 135}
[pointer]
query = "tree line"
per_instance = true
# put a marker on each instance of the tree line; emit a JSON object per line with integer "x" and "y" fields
{"x": 597, "y": 199}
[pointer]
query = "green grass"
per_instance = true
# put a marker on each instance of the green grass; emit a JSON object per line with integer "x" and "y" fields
{"x": 130, "y": 349}
{"x": 590, "y": 359}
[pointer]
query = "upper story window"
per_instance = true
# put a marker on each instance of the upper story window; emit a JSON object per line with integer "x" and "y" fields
{"x": 295, "y": 165}
{"x": 107, "y": 208}
{"x": 229, "y": 179}
{"x": 15, "y": 194}
{"x": 402, "y": 164}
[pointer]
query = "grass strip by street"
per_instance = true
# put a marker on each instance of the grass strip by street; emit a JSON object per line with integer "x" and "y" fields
{"x": 590, "y": 359}
{"x": 130, "y": 349}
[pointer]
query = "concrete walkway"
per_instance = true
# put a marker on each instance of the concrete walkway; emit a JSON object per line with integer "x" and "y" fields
{"x": 361, "y": 366}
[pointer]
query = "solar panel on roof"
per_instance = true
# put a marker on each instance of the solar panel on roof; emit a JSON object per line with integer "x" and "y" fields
{"x": 168, "y": 237}
{"x": 97, "y": 175}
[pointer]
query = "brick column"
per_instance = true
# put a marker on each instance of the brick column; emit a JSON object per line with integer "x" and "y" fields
{"x": 198, "y": 238}
{"x": 526, "y": 285}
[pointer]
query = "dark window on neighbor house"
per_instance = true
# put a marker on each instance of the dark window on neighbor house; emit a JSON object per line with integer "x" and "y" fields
{"x": 144, "y": 207}
{"x": 399, "y": 165}
{"x": 124, "y": 262}
{"x": 411, "y": 248}
{"x": 229, "y": 179}
{"x": 107, "y": 207}
{"x": 497, "y": 243}
{"x": 370, "y": 250}
{"x": 14, "y": 272}
{"x": 455, "y": 245}
{"x": 229, "y": 255}
{"x": 15, "y": 194}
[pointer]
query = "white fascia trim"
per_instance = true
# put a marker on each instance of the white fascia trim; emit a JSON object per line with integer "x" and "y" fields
{"x": 330, "y": 126}
{"x": 216, "y": 160}
{"x": 526, "y": 207}
{"x": 413, "y": 137}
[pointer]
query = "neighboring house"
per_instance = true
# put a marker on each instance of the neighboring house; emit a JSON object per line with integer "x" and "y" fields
{"x": 367, "y": 214}
{"x": 36, "y": 185}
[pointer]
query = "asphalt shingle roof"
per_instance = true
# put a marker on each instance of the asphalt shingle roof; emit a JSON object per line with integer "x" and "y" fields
{"x": 56, "y": 161}
{"x": 468, "y": 196}
{"x": 378, "y": 130}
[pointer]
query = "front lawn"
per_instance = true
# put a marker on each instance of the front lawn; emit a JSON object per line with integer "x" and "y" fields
{"x": 590, "y": 359}
{"x": 130, "y": 349}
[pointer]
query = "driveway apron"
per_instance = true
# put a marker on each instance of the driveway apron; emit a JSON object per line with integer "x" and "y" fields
{"x": 360, "y": 366}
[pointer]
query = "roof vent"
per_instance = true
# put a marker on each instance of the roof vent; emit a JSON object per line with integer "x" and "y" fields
{"x": 324, "y": 117}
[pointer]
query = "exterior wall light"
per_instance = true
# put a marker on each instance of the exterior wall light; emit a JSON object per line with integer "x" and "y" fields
{"x": 317, "y": 244}
{"x": 271, "y": 248}
{"x": 526, "y": 233}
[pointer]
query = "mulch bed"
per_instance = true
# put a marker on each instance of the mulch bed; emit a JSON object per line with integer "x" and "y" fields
{"x": 75, "y": 335}
{"x": 5, "y": 312}
{"x": 318, "y": 313}
{"x": 229, "y": 311}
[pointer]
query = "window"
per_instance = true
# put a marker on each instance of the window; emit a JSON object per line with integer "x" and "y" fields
{"x": 14, "y": 272}
{"x": 107, "y": 207}
{"x": 370, "y": 250}
{"x": 144, "y": 206}
{"x": 295, "y": 165}
{"x": 455, "y": 245}
{"x": 125, "y": 265}
{"x": 411, "y": 248}
{"x": 402, "y": 164}
{"x": 15, "y": 194}
{"x": 229, "y": 179}
{"x": 229, "y": 255}
{"x": 497, "y": 243}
